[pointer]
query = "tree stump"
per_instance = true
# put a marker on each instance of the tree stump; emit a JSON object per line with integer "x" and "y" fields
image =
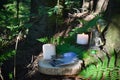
{"x": 46, "y": 68}
{"x": 113, "y": 35}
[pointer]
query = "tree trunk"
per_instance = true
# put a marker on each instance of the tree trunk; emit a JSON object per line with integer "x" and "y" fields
{"x": 91, "y": 8}
{"x": 99, "y": 6}
{"x": 113, "y": 35}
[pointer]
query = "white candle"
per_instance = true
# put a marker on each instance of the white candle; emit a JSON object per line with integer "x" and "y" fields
{"x": 48, "y": 51}
{"x": 82, "y": 39}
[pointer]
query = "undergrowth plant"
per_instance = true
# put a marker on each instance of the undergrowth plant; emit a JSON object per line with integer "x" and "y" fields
{"x": 7, "y": 55}
{"x": 105, "y": 70}
{"x": 9, "y": 27}
{"x": 67, "y": 44}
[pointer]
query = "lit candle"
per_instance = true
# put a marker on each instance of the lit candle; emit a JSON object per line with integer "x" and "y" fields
{"x": 48, "y": 51}
{"x": 82, "y": 39}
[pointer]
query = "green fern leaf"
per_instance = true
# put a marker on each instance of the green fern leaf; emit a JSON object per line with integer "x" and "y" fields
{"x": 105, "y": 63}
{"x": 43, "y": 40}
{"x": 106, "y": 75}
{"x": 91, "y": 71}
{"x": 112, "y": 62}
{"x": 99, "y": 75}
{"x": 7, "y": 55}
{"x": 100, "y": 71}
{"x": 94, "y": 72}
{"x": 118, "y": 62}
{"x": 114, "y": 75}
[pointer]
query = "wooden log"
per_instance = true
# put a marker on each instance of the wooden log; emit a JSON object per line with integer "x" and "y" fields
{"x": 46, "y": 68}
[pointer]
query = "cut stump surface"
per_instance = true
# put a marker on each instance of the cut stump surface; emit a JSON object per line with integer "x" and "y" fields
{"x": 46, "y": 68}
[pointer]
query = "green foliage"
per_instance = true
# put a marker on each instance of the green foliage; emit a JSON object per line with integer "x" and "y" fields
{"x": 80, "y": 51}
{"x": 67, "y": 5}
{"x": 102, "y": 70}
{"x": 9, "y": 22}
{"x": 99, "y": 74}
{"x": 86, "y": 27}
{"x": 67, "y": 44}
{"x": 53, "y": 40}
{"x": 50, "y": 11}
{"x": 7, "y": 55}
{"x": 44, "y": 40}
{"x": 11, "y": 76}
{"x": 64, "y": 45}
{"x": 105, "y": 63}
{"x": 112, "y": 62}
{"x": 89, "y": 71}
{"x": 58, "y": 9}
{"x": 114, "y": 75}
{"x": 70, "y": 4}
{"x": 72, "y": 35}
{"x": 93, "y": 51}
{"x": 106, "y": 75}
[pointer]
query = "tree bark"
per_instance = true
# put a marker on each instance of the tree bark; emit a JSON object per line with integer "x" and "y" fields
{"x": 91, "y": 8}
{"x": 101, "y": 5}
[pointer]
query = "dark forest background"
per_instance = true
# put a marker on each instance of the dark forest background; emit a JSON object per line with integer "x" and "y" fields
{"x": 26, "y": 21}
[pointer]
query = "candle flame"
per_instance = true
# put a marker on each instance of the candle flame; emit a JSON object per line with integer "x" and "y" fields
{"x": 83, "y": 33}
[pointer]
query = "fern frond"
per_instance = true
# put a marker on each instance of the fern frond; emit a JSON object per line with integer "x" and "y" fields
{"x": 114, "y": 75}
{"x": 112, "y": 62}
{"x": 106, "y": 75}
